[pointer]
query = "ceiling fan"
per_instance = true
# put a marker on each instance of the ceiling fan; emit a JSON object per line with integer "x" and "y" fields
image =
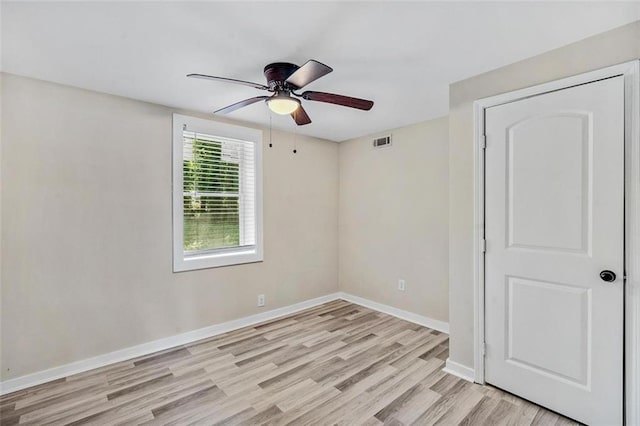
{"x": 283, "y": 79}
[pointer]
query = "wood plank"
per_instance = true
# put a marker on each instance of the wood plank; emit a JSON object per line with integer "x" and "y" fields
{"x": 337, "y": 363}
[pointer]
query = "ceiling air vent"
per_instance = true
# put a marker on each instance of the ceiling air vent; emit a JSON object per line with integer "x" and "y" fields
{"x": 382, "y": 142}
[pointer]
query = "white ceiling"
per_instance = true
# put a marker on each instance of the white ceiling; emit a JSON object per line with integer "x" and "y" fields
{"x": 401, "y": 55}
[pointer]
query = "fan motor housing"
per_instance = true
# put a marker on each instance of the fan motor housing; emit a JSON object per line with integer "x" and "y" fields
{"x": 277, "y": 73}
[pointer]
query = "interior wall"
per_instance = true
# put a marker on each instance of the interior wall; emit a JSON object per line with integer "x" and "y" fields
{"x": 1, "y": 342}
{"x": 87, "y": 229}
{"x": 609, "y": 48}
{"x": 393, "y": 219}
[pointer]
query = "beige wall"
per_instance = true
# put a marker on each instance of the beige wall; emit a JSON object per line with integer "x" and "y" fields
{"x": 393, "y": 219}
{"x": 613, "y": 47}
{"x": 1, "y": 342}
{"x": 86, "y": 220}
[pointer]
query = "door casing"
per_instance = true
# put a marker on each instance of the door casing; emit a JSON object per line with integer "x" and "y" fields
{"x": 631, "y": 73}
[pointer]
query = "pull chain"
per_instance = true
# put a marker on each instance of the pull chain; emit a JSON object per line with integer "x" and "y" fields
{"x": 295, "y": 138}
{"x": 270, "y": 144}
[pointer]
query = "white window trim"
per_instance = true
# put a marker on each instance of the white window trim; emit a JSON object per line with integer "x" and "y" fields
{"x": 227, "y": 256}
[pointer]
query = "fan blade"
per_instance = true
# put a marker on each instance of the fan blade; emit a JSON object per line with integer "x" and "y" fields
{"x": 310, "y": 71}
{"x": 229, "y": 80}
{"x": 300, "y": 116}
{"x": 331, "y": 98}
{"x": 237, "y": 105}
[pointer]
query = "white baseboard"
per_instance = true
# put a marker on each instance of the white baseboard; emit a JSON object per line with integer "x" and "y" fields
{"x": 459, "y": 370}
{"x": 399, "y": 313}
{"x": 76, "y": 367}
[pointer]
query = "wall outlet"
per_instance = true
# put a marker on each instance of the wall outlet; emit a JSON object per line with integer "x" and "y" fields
{"x": 401, "y": 285}
{"x": 261, "y": 300}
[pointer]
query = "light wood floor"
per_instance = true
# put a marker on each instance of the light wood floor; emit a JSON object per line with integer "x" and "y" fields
{"x": 337, "y": 363}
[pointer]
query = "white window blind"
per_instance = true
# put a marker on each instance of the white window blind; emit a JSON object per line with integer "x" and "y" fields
{"x": 219, "y": 208}
{"x": 218, "y": 193}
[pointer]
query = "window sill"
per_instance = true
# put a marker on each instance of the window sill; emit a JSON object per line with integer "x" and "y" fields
{"x": 216, "y": 260}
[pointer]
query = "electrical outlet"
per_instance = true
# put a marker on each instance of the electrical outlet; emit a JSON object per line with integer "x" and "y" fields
{"x": 261, "y": 300}
{"x": 401, "y": 285}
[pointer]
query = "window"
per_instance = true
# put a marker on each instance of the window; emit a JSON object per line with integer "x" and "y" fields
{"x": 217, "y": 188}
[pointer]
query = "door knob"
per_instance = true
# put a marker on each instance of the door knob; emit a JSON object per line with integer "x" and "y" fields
{"x": 608, "y": 276}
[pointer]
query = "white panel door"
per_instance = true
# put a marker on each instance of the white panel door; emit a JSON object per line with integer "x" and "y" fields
{"x": 554, "y": 221}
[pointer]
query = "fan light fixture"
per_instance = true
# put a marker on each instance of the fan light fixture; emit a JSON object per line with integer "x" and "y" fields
{"x": 283, "y": 104}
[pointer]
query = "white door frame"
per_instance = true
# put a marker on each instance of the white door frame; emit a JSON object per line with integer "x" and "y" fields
{"x": 631, "y": 73}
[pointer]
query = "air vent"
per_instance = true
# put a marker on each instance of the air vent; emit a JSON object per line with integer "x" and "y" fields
{"x": 382, "y": 142}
